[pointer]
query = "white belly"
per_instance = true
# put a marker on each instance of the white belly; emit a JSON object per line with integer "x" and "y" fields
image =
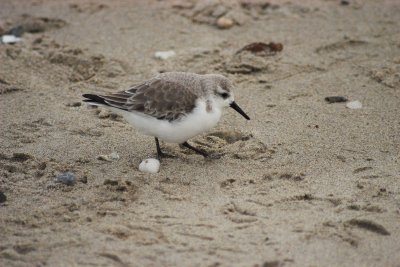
{"x": 180, "y": 131}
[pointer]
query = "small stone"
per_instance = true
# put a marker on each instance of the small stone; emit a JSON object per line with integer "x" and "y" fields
{"x": 111, "y": 157}
{"x": 335, "y": 99}
{"x": 103, "y": 157}
{"x": 150, "y": 165}
{"x": 354, "y": 105}
{"x": 224, "y": 23}
{"x": 164, "y": 55}
{"x": 3, "y": 197}
{"x": 67, "y": 178}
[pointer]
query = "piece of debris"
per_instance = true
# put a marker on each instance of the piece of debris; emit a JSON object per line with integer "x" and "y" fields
{"x": 110, "y": 157}
{"x": 224, "y": 23}
{"x": 335, "y": 99}
{"x": 67, "y": 178}
{"x": 260, "y": 47}
{"x": 354, "y": 105}
{"x": 164, "y": 55}
{"x": 9, "y": 39}
{"x": 150, "y": 165}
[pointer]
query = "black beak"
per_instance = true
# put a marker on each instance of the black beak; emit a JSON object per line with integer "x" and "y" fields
{"x": 238, "y": 109}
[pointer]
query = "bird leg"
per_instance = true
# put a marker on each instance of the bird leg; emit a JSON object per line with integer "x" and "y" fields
{"x": 161, "y": 154}
{"x": 198, "y": 151}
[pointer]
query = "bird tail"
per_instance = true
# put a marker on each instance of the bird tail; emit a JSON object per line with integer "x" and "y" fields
{"x": 112, "y": 103}
{"x": 95, "y": 100}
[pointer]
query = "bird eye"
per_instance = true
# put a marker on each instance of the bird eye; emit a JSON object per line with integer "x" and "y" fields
{"x": 224, "y": 95}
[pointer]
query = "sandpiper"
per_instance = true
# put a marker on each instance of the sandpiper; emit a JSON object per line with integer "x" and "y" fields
{"x": 173, "y": 106}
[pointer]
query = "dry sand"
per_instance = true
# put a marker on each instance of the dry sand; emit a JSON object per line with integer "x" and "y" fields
{"x": 304, "y": 183}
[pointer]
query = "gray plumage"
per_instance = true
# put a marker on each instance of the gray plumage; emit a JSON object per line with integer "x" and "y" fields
{"x": 168, "y": 96}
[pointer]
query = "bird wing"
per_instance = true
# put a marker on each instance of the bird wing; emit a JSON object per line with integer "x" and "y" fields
{"x": 159, "y": 98}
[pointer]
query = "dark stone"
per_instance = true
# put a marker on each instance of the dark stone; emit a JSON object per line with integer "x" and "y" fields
{"x": 3, "y": 197}
{"x": 345, "y": 3}
{"x": 335, "y": 99}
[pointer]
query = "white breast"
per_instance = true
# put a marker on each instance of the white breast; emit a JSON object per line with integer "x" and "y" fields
{"x": 196, "y": 122}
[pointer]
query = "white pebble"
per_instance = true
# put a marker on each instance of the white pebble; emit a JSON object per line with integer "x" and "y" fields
{"x": 165, "y": 54}
{"x": 224, "y": 23}
{"x": 149, "y": 165}
{"x": 9, "y": 39}
{"x": 354, "y": 105}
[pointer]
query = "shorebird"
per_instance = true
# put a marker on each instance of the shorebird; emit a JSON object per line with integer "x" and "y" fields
{"x": 173, "y": 106}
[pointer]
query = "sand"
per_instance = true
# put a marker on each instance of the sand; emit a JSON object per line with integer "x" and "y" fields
{"x": 303, "y": 183}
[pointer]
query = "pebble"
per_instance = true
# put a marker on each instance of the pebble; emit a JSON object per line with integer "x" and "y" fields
{"x": 150, "y": 166}
{"x": 164, "y": 55}
{"x": 354, "y": 105}
{"x": 3, "y": 197}
{"x": 224, "y": 23}
{"x": 67, "y": 178}
{"x": 9, "y": 39}
{"x": 335, "y": 99}
{"x": 110, "y": 157}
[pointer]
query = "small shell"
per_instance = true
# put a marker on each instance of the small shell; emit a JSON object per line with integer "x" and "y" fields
{"x": 9, "y": 39}
{"x": 149, "y": 165}
{"x": 354, "y": 105}
{"x": 224, "y": 23}
{"x": 164, "y": 55}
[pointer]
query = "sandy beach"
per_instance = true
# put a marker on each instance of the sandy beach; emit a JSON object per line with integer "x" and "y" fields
{"x": 305, "y": 182}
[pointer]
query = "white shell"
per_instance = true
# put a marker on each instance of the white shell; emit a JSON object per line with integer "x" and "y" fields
{"x": 354, "y": 105}
{"x": 9, "y": 39}
{"x": 165, "y": 54}
{"x": 149, "y": 165}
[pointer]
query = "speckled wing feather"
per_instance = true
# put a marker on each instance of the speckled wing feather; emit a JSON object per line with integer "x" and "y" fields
{"x": 164, "y": 100}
